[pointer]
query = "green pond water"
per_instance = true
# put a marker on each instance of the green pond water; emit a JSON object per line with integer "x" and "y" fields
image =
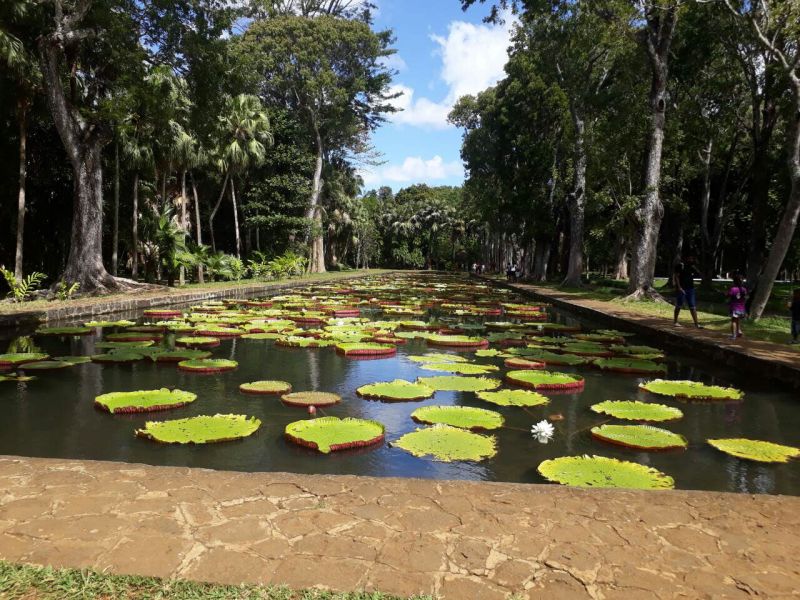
{"x": 54, "y": 416}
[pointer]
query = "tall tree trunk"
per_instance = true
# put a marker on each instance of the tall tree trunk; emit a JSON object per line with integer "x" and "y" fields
{"x": 214, "y": 211}
{"x": 236, "y": 221}
{"x": 184, "y": 222}
{"x": 23, "y": 104}
{"x": 706, "y": 255}
{"x": 317, "y": 250}
{"x": 541, "y": 259}
{"x": 621, "y": 266}
{"x": 199, "y": 232}
{"x": 577, "y": 204}
{"x": 115, "y": 232}
{"x": 135, "y": 222}
{"x": 83, "y": 140}
{"x": 661, "y": 21}
{"x": 788, "y": 223}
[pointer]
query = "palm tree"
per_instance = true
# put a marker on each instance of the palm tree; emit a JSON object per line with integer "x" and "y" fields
{"x": 139, "y": 156}
{"x": 22, "y": 66}
{"x": 244, "y": 136}
{"x": 185, "y": 156}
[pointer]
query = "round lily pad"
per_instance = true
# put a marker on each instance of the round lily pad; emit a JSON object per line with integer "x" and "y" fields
{"x": 549, "y": 358}
{"x": 365, "y": 349}
{"x": 143, "y": 401}
{"x": 457, "y": 341}
{"x": 64, "y": 331}
{"x": 214, "y": 331}
{"x": 756, "y": 450}
{"x": 19, "y": 358}
{"x": 74, "y": 360}
{"x": 446, "y": 443}
{"x": 489, "y": 353}
{"x": 204, "y": 429}
{"x": 455, "y": 383}
{"x": 118, "y": 357}
{"x": 124, "y": 345}
{"x": 179, "y": 355}
{"x": 162, "y": 313}
{"x": 311, "y": 399}
{"x": 463, "y": 417}
{"x": 395, "y": 391}
{"x": 603, "y": 472}
{"x": 17, "y": 378}
{"x": 546, "y": 380}
{"x": 101, "y": 324}
{"x": 641, "y": 437}
{"x": 437, "y": 357}
{"x": 691, "y": 390}
{"x": 523, "y": 363}
{"x": 303, "y": 342}
{"x": 460, "y": 368}
{"x": 45, "y": 365}
{"x": 134, "y": 336}
{"x": 266, "y": 388}
{"x": 330, "y": 434}
{"x": 207, "y": 365}
{"x": 633, "y": 410}
{"x": 630, "y": 366}
{"x": 197, "y": 342}
{"x": 514, "y": 398}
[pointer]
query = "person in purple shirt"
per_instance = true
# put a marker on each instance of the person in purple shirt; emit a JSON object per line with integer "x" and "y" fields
{"x": 737, "y": 303}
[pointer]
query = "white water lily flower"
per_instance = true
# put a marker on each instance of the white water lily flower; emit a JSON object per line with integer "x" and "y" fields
{"x": 542, "y": 431}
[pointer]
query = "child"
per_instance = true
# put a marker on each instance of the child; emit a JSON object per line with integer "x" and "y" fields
{"x": 737, "y": 299}
{"x": 794, "y": 307}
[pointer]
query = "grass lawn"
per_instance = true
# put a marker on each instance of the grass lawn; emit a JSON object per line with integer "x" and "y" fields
{"x": 7, "y": 308}
{"x": 26, "y": 582}
{"x": 712, "y": 308}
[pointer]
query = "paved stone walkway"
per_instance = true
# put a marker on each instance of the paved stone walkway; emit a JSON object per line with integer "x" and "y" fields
{"x": 457, "y": 540}
{"x": 767, "y": 359}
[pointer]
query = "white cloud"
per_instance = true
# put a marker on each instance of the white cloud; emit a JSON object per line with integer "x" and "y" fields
{"x": 414, "y": 169}
{"x": 394, "y": 61}
{"x": 421, "y": 112}
{"x": 473, "y": 57}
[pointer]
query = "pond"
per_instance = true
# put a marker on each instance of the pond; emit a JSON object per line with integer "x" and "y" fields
{"x": 53, "y": 415}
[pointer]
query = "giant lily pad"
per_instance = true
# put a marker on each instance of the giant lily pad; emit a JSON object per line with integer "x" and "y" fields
{"x": 446, "y": 443}
{"x": 457, "y": 341}
{"x": 266, "y": 387}
{"x": 756, "y": 450}
{"x": 124, "y": 345}
{"x": 395, "y": 391}
{"x": 366, "y": 349}
{"x": 546, "y": 380}
{"x": 549, "y": 358}
{"x": 134, "y": 336}
{"x": 460, "y": 368}
{"x": 178, "y": 355}
{"x": 463, "y": 417}
{"x": 118, "y": 357}
{"x": 19, "y": 358}
{"x": 207, "y": 365}
{"x": 74, "y": 360}
{"x": 311, "y": 399}
{"x": 204, "y": 429}
{"x": 514, "y": 398}
{"x": 64, "y": 331}
{"x": 454, "y": 383}
{"x": 197, "y": 342}
{"x": 143, "y": 401}
{"x": 633, "y": 410}
{"x": 329, "y": 434}
{"x": 641, "y": 437}
{"x": 17, "y": 378}
{"x": 45, "y": 365}
{"x": 518, "y": 362}
{"x": 101, "y": 324}
{"x": 691, "y": 390}
{"x": 602, "y": 472}
{"x": 437, "y": 357}
{"x": 631, "y": 366}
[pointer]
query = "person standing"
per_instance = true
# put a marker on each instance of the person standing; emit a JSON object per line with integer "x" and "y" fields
{"x": 737, "y": 302}
{"x": 794, "y": 307}
{"x": 685, "y": 293}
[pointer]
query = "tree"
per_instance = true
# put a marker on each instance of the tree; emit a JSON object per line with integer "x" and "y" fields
{"x": 326, "y": 69}
{"x": 772, "y": 22}
{"x": 245, "y": 133}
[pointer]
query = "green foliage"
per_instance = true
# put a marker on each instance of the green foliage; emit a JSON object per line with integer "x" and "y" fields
{"x": 329, "y": 434}
{"x": 641, "y": 437}
{"x": 66, "y": 291}
{"x": 23, "y": 289}
{"x": 144, "y": 401}
{"x": 633, "y": 410}
{"x": 200, "y": 430}
{"x": 756, "y": 450}
{"x": 463, "y": 417}
{"x": 602, "y": 472}
{"x": 446, "y": 443}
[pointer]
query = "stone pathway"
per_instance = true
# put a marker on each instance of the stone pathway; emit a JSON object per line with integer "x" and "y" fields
{"x": 767, "y": 359}
{"x": 457, "y": 540}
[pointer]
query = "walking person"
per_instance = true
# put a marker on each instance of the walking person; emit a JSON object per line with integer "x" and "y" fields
{"x": 683, "y": 282}
{"x": 737, "y": 302}
{"x": 794, "y": 308}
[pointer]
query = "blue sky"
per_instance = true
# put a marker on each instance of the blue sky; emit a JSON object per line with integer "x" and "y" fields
{"x": 443, "y": 53}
